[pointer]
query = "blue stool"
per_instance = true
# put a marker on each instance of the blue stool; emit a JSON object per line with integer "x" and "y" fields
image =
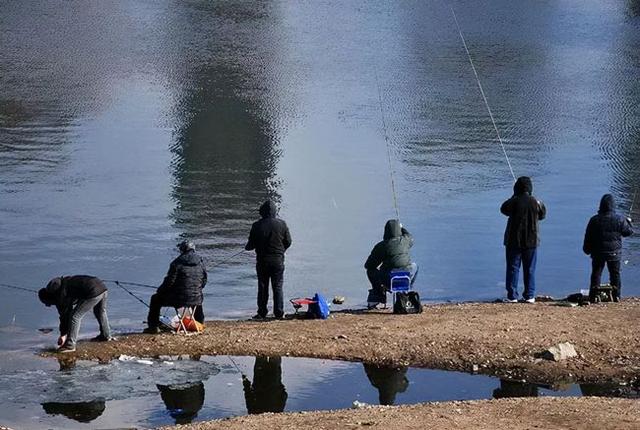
{"x": 399, "y": 282}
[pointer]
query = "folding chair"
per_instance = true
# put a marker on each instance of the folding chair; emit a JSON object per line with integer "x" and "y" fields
{"x": 399, "y": 282}
{"x": 183, "y": 312}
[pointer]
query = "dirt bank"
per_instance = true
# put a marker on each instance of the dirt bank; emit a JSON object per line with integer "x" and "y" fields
{"x": 498, "y": 339}
{"x": 586, "y": 413}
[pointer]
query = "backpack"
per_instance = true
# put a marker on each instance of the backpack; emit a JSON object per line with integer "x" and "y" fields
{"x": 407, "y": 303}
{"x": 319, "y": 309}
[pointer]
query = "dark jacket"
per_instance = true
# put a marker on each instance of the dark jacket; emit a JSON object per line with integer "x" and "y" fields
{"x": 603, "y": 237}
{"x": 524, "y": 212}
{"x": 185, "y": 280}
{"x": 393, "y": 251}
{"x": 64, "y": 292}
{"x": 270, "y": 236}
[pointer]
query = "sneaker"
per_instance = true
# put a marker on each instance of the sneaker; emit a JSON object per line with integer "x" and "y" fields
{"x": 151, "y": 330}
{"x": 66, "y": 348}
{"x": 101, "y": 338}
{"x": 258, "y": 317}
{"x": 509, "y": 300}
{"x": 531, "y": 300}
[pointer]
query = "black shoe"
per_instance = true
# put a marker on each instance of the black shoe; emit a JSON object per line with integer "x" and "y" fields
{"x": 151, "y": 330}
{"x": 280, "y": 317}
{"x": 66, "y": 348}
{"x": 258, "y": 317}
{"x": 101, "y": 338}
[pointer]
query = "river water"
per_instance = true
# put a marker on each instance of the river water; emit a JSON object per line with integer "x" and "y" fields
{"x": 127, "y": 126}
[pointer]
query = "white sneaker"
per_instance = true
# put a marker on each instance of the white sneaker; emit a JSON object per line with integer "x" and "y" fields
{"x": 531, "y": 300}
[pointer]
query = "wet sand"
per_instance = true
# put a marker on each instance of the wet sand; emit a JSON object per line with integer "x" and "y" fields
{"x": 494, "y": 339}
{"x": 586, "y": 413}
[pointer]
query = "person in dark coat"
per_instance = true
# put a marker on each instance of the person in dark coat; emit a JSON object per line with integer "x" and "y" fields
{"x": 392, "y": 253}
{"x": 521, "y": 238}
{"x": 74, "y": 296}
{"x": 182, "y": 286}
{"x": 267, "y": 393}
{"x": 270, "y": 238}
{"x": 603, "y": 242}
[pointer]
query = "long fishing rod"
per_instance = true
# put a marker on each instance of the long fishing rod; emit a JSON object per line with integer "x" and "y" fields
{"x": 484, "y": 97}
{"x": 632, "y": 202}
{"x": 18, "y": 288}
{"x": 235, "y": 365}
{"x": 387, "y": 143}
{"x": 118, "y": 283}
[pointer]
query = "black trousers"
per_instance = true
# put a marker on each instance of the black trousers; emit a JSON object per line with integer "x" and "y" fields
{"x": 160, "y": 300}
{"x": 270, "y": 271}
{"x": 597, "y": 267}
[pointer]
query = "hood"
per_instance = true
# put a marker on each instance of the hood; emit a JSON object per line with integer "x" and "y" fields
{"x": 189, "y": 258}
{"x": 523, "y": 185}
{"x": 392, "y": 229}
{"x": 607, "y": 204}
{"x": 268, "y": 209}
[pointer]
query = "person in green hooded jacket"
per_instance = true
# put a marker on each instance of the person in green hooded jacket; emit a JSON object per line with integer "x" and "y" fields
{"x": 392, "y": 253}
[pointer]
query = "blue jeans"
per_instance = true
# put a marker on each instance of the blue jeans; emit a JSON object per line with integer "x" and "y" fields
{"x": 515, "y": 257}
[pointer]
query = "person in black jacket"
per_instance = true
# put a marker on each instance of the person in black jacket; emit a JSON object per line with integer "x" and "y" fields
{"x": 392, "y": 253}
{"x": 521, "y": 238}
{"x": 74, "y": 296}
{"x": 270, "y": 238}
{"x": 182, "y": 286}
{"x": 603, "y": 242}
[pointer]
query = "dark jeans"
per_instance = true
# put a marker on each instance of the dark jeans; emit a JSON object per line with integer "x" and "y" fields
{"x": 274, "y": 272}
{"x": 160, "y": 300}
{"x": 597, "y": 267}
{"x": 527, "y": 257}
{"x": 380, "y": 280}
{"x": 99, "y": 306}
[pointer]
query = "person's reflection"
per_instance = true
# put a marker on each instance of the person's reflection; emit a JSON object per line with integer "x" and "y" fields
{"x": 83, "y": 412}
{"x": 266, "y": 393}
{"x": 183, "y": 401}
{"x": 388, "y": 380}
{"x": 609, "y": 390}
{"x": 510, "y": 388}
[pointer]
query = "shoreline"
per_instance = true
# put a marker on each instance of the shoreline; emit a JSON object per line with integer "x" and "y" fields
{"x": 501, "y": 340}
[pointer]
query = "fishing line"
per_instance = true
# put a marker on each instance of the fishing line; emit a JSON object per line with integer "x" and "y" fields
{"x": 130, "y": 293}
{"x": 633, "y": 202}
{"x": 486, "y": 103}
{"x": 235, "y": 365}
{"x": 387, "y": 143}
{"x": 18, "y": 288}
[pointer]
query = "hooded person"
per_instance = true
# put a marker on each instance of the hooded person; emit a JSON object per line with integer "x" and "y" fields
{"x": 392, "y": 253}
{"x": 74, "y": 296}
{"x": 522, "y": 238}
{"x": 603, "y": 242}
{"x": 270, "y": 238}
{"x": 182, "y": 286}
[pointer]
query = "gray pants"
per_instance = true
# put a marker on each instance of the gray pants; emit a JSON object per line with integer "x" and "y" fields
{"x": 99, "y": 306}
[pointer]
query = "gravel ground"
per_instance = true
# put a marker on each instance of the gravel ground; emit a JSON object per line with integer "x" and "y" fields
{"x": 496, "y": 339}
{"x": 585, "y": 413}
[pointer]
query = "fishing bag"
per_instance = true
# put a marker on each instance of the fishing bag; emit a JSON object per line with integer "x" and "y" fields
{"x": 407, "y": 303}
{"x": 319, "y": 308}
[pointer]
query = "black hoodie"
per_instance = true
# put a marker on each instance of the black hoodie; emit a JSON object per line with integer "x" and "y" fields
{"x": 603, "y": 237}
{"x": 393, "y": 251}
{"x": 185, "y": 280}
{"x": 269, "y": 236}
{"x": 524, "y": 212}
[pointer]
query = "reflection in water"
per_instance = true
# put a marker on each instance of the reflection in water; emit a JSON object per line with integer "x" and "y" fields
{"x": 83, "y": 412}
{"x": 610, "y": 390}
{"x": 266, "y": 393}
{"x": 183, "y": 401}
{"x": 388, "y": 380}
{"x": 510, "y": 388}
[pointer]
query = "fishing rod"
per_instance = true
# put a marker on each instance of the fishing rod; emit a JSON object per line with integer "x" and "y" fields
{"x": 632, "y": 202}
{"x": 235, "y": 365}
{"x": 387, "y": 143}
{"x": 118, "y": 283}
{"x": 18, "y": 288}
{"x": 484, "y": 97}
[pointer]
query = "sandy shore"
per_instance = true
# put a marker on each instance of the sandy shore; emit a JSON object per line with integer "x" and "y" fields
{"x": 496, "y": 339}
{"x": 586, "y": 413}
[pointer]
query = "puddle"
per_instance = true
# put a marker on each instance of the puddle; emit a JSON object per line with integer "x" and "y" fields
{"x": 168, "y": 390}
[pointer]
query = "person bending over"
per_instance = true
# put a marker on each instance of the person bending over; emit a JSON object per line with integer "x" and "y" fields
{"x": 603, "y": 242}
{"x": 182, "y": 286}
{"x": 392, "y": 253}
{"x": 74, "y": 296}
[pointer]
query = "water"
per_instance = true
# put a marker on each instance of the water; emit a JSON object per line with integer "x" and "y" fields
{"x": 180, "y": 390}
{"x": 126, "y": 127}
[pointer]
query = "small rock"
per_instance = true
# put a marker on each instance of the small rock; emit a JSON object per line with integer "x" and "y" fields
{"x": 560, "y": 352}
{"x": 475, "y": 368}
{"x": 358, "y": 405}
